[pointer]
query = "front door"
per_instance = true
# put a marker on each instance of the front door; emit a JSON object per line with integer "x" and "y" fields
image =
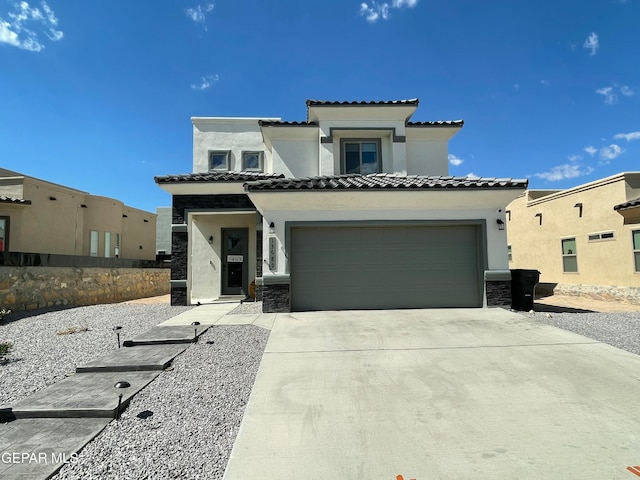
{"x": 235, "y": 261}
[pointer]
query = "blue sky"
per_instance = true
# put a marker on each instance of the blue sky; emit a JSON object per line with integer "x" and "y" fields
{"x": 97, "y": 95}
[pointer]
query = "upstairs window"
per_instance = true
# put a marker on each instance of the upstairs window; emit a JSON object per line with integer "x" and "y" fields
{"x": 597, "y": 237}
{"x": 252, "y": 161}
{"x": 4, "y": 234}
{"x": 569, "y": 256}
{"x": 219, "y": 161}
{"x": 361, "y": 156}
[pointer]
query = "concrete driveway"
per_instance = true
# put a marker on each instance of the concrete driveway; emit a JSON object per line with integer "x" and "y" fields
{"x": 437, "y": 394}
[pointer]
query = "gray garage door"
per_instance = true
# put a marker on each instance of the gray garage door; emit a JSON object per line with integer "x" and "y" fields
{"x": 346, "y": 268}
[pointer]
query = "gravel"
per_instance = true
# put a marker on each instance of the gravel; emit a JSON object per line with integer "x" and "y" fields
{"x": 39, "y": 357}
{"x": 247, "y": 308}
{"x": 184, "y": 424}
{"x": 622, "y": 330}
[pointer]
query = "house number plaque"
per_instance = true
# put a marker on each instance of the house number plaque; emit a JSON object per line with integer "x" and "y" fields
{"x": 273, "y": 257}
{"x": 235, "y": 258}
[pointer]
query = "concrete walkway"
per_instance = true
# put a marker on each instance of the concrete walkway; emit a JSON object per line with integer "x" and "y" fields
{"x": 46, "y": 429}
{"x": 437, "y": 394}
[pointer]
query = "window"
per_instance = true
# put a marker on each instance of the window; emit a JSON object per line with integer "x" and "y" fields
{"x": 509, "y": 254}
{"x": 219, "y": 161}
{"x": 361, "y": 156}
{"x": 93, "y": 247}
{"x": 252, "y": 161}
{"x": 569, "y": 256}
{"x": 4, "y": 234}
{"x": 636, "y": 249}
{"x": 596, "y": 237}
{"x": 117, "y": 246}
{"x": 107, "y": 244}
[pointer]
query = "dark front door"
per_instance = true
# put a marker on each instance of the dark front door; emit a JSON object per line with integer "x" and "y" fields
{"x": 234, "y": 261}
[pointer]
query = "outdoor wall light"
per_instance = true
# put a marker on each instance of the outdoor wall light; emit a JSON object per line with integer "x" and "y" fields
{"x": 140, "y": 247}
{"x": 579, "y": 206}
{"x": 539, "y": 215}
{"x": 120, "y": 385}
{"x": 210, "y": 239}
{"x": 117, "y": 329}
{"x": 500, "y": 224}
{"x": 195, "y": 330}
{"x": 272, "y": 227}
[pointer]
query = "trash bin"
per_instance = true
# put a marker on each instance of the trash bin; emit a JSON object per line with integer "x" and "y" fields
{"x": 523, "y": 284}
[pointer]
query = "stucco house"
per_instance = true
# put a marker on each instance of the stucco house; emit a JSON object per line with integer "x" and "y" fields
{"x": 352, "y": 208}
{"x": 37, "y": 216}
{"x": 584, "y": 240}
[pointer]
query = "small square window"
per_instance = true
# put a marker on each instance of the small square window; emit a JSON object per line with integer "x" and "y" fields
{"x": 509, "y": 253}
{"x": 219, "y": 161}
{"x": 361, "y": 156}
{"x": 252, "y": 161}
{"x": 569, "y": 256}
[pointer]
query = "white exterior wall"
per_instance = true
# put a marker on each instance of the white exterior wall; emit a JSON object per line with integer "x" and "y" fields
{"x": 295, "y": 158}
{"x": 204, "y": 275}
{"x": 236, "y": 135}
{"x": 427, "y": 157}
{"x": 496, "y": 241}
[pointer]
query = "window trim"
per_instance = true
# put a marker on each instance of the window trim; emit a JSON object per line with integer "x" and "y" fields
{"x": 227, "y": 155}
{"x": 260, "y": 160}
{"x": 574, "y": 254}
{"x": 7, "y": 229}
{"x": 600, "y": 237}
{"x": 343, "y": 156}
{"x": 635, "y": 251}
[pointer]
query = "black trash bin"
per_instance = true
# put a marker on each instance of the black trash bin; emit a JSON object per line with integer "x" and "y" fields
{"x": 523, "y": 285}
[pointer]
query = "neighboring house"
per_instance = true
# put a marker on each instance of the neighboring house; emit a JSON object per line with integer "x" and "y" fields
{"x": 350, "y": 209}
{"x": 585, "y": 239}
{"x": 37, "y": 216}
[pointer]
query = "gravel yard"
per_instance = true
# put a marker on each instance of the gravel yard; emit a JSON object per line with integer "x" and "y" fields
{"x": 40, "y": 357}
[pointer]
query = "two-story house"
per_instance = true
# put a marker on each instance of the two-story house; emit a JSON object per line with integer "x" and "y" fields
{"x": 351, "y": 209}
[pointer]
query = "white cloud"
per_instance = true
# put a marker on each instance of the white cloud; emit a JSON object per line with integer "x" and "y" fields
{"x": 590, "y": 150}
{"x": 375, "y": 11}
{"x": 592, "y": 43}
{"x": 20, "y": 29}
{"x": 545, "y": 83}
{"x": 574, "y": 158}
{"x": 626, "y": 91}
{"x": 198, "y": 14}
{"x": 516, "y": 86}
{"x": 472, "y": 175}
{"x": 564, "y": 171}
{"x": 629, "y": 137}
{"x": 611, "y": 152}
{"x": 206, "y": 82}
{"x": 453, "y": 160}
{"x": 609, "y": 97}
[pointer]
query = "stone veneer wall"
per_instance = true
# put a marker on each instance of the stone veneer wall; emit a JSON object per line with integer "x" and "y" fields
{"x": 498, "y": 293}
{"x": 276, "y": 298}
{"x": 27, "y": 288}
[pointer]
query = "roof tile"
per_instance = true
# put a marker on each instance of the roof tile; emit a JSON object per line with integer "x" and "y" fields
{"x": 21, "y": 201}
{"x": 631, "y": 203}
{"x": 217, "y": 177}
{"x": 383, "y": 181}
{"x": 412, "y": 101}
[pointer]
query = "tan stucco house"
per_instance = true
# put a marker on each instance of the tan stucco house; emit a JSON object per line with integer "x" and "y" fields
{"x": 37, "y": 216}
{"x": 352, "y": 208}
{"x": 584, "y": 240}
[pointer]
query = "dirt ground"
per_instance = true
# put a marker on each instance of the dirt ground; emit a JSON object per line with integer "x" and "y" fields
{"x": 554, "y": 303}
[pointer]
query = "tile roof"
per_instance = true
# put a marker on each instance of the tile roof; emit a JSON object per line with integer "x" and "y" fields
{"x": 412, "y": 101}
{"x": 275, "y": 123}
{"x": 383, "y": 181}
{"x": 217, "y": 177}
{"x": 436, "y": 123}
{"x": 21, "y": 201}
{"x": 631, "y": 203}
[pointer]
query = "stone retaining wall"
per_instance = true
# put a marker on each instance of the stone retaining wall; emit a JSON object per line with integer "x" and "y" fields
{"x": 27, "y": 288}
{"x": 597, "y": 292}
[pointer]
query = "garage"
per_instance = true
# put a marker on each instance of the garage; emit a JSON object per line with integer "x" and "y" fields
{"x": 354, "y": 267}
